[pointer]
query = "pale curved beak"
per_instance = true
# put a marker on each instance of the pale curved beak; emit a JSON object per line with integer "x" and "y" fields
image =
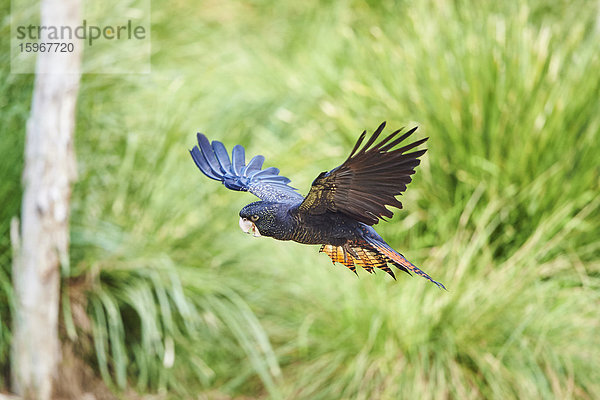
{"x": 248, "y": 227}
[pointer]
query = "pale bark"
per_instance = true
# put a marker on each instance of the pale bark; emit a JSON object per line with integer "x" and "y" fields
{"x": 44, "y": 237}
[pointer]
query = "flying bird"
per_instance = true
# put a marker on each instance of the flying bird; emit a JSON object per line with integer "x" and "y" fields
{"x": 341, "y": 206}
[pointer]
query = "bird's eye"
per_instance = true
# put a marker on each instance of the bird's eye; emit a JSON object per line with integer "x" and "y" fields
{"x": 254, "y": 218}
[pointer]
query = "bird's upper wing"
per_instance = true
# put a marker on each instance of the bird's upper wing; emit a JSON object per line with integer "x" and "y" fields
{"x": 368, "y": 180}
{"x": 213, "y": 160}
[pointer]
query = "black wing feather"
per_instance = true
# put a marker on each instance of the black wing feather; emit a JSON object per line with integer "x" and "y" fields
{"x": 369, "y": 179}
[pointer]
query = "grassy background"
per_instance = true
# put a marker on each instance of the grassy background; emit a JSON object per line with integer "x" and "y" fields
{"x": 165, "y": 295}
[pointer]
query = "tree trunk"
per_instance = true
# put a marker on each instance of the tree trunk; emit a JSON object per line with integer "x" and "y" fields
{"x": 43, "y": 244}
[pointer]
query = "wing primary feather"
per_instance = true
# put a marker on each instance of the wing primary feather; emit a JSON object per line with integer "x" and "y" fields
{"x": 265, "y": 172}
{"x": 416, "y": 155}
{"x": 357, "y": 145}
{"x": 238, "y": 156}
{"x": 399, "y": 140}
{"x": 209, "y": 154}
{"x": 222, "y": 156}
{"x": 276, "y": 179}
{"x": 203, "y": 165}
{"x": 255, "y": 164}
{"x": 373, "y": 137}
{"x": 410, "y": 146}
{"x": 380, "y": 145}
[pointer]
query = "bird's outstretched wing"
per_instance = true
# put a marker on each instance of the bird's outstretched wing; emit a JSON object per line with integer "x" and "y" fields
{"x": 368, "y": 180}
{"x": 213, "y": 160}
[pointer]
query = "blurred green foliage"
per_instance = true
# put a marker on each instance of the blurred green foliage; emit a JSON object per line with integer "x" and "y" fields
{"x": 15, "y": 98}
{"x": 165, "y": 294}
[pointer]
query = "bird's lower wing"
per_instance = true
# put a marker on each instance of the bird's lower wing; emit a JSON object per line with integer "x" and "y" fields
{"x": 214, "y": 162}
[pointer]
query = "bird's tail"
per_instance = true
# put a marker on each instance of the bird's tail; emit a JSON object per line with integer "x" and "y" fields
{"x": 356, "y": 255}
{"x": 397, "y": 259}
{"x": 372, "y": 254}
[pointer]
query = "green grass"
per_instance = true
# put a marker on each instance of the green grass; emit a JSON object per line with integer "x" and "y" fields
{"x": 14, "y": 109}
{"x": 504, "y": 209}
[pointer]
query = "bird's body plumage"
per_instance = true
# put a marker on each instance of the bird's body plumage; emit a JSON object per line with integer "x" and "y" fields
{"x": 340, "y": 207}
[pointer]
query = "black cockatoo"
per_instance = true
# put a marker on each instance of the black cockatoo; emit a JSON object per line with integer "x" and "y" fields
{"x": 340, "y": 207}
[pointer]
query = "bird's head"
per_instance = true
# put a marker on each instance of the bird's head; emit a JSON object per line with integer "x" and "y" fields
{"x": 261, "y": 218}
